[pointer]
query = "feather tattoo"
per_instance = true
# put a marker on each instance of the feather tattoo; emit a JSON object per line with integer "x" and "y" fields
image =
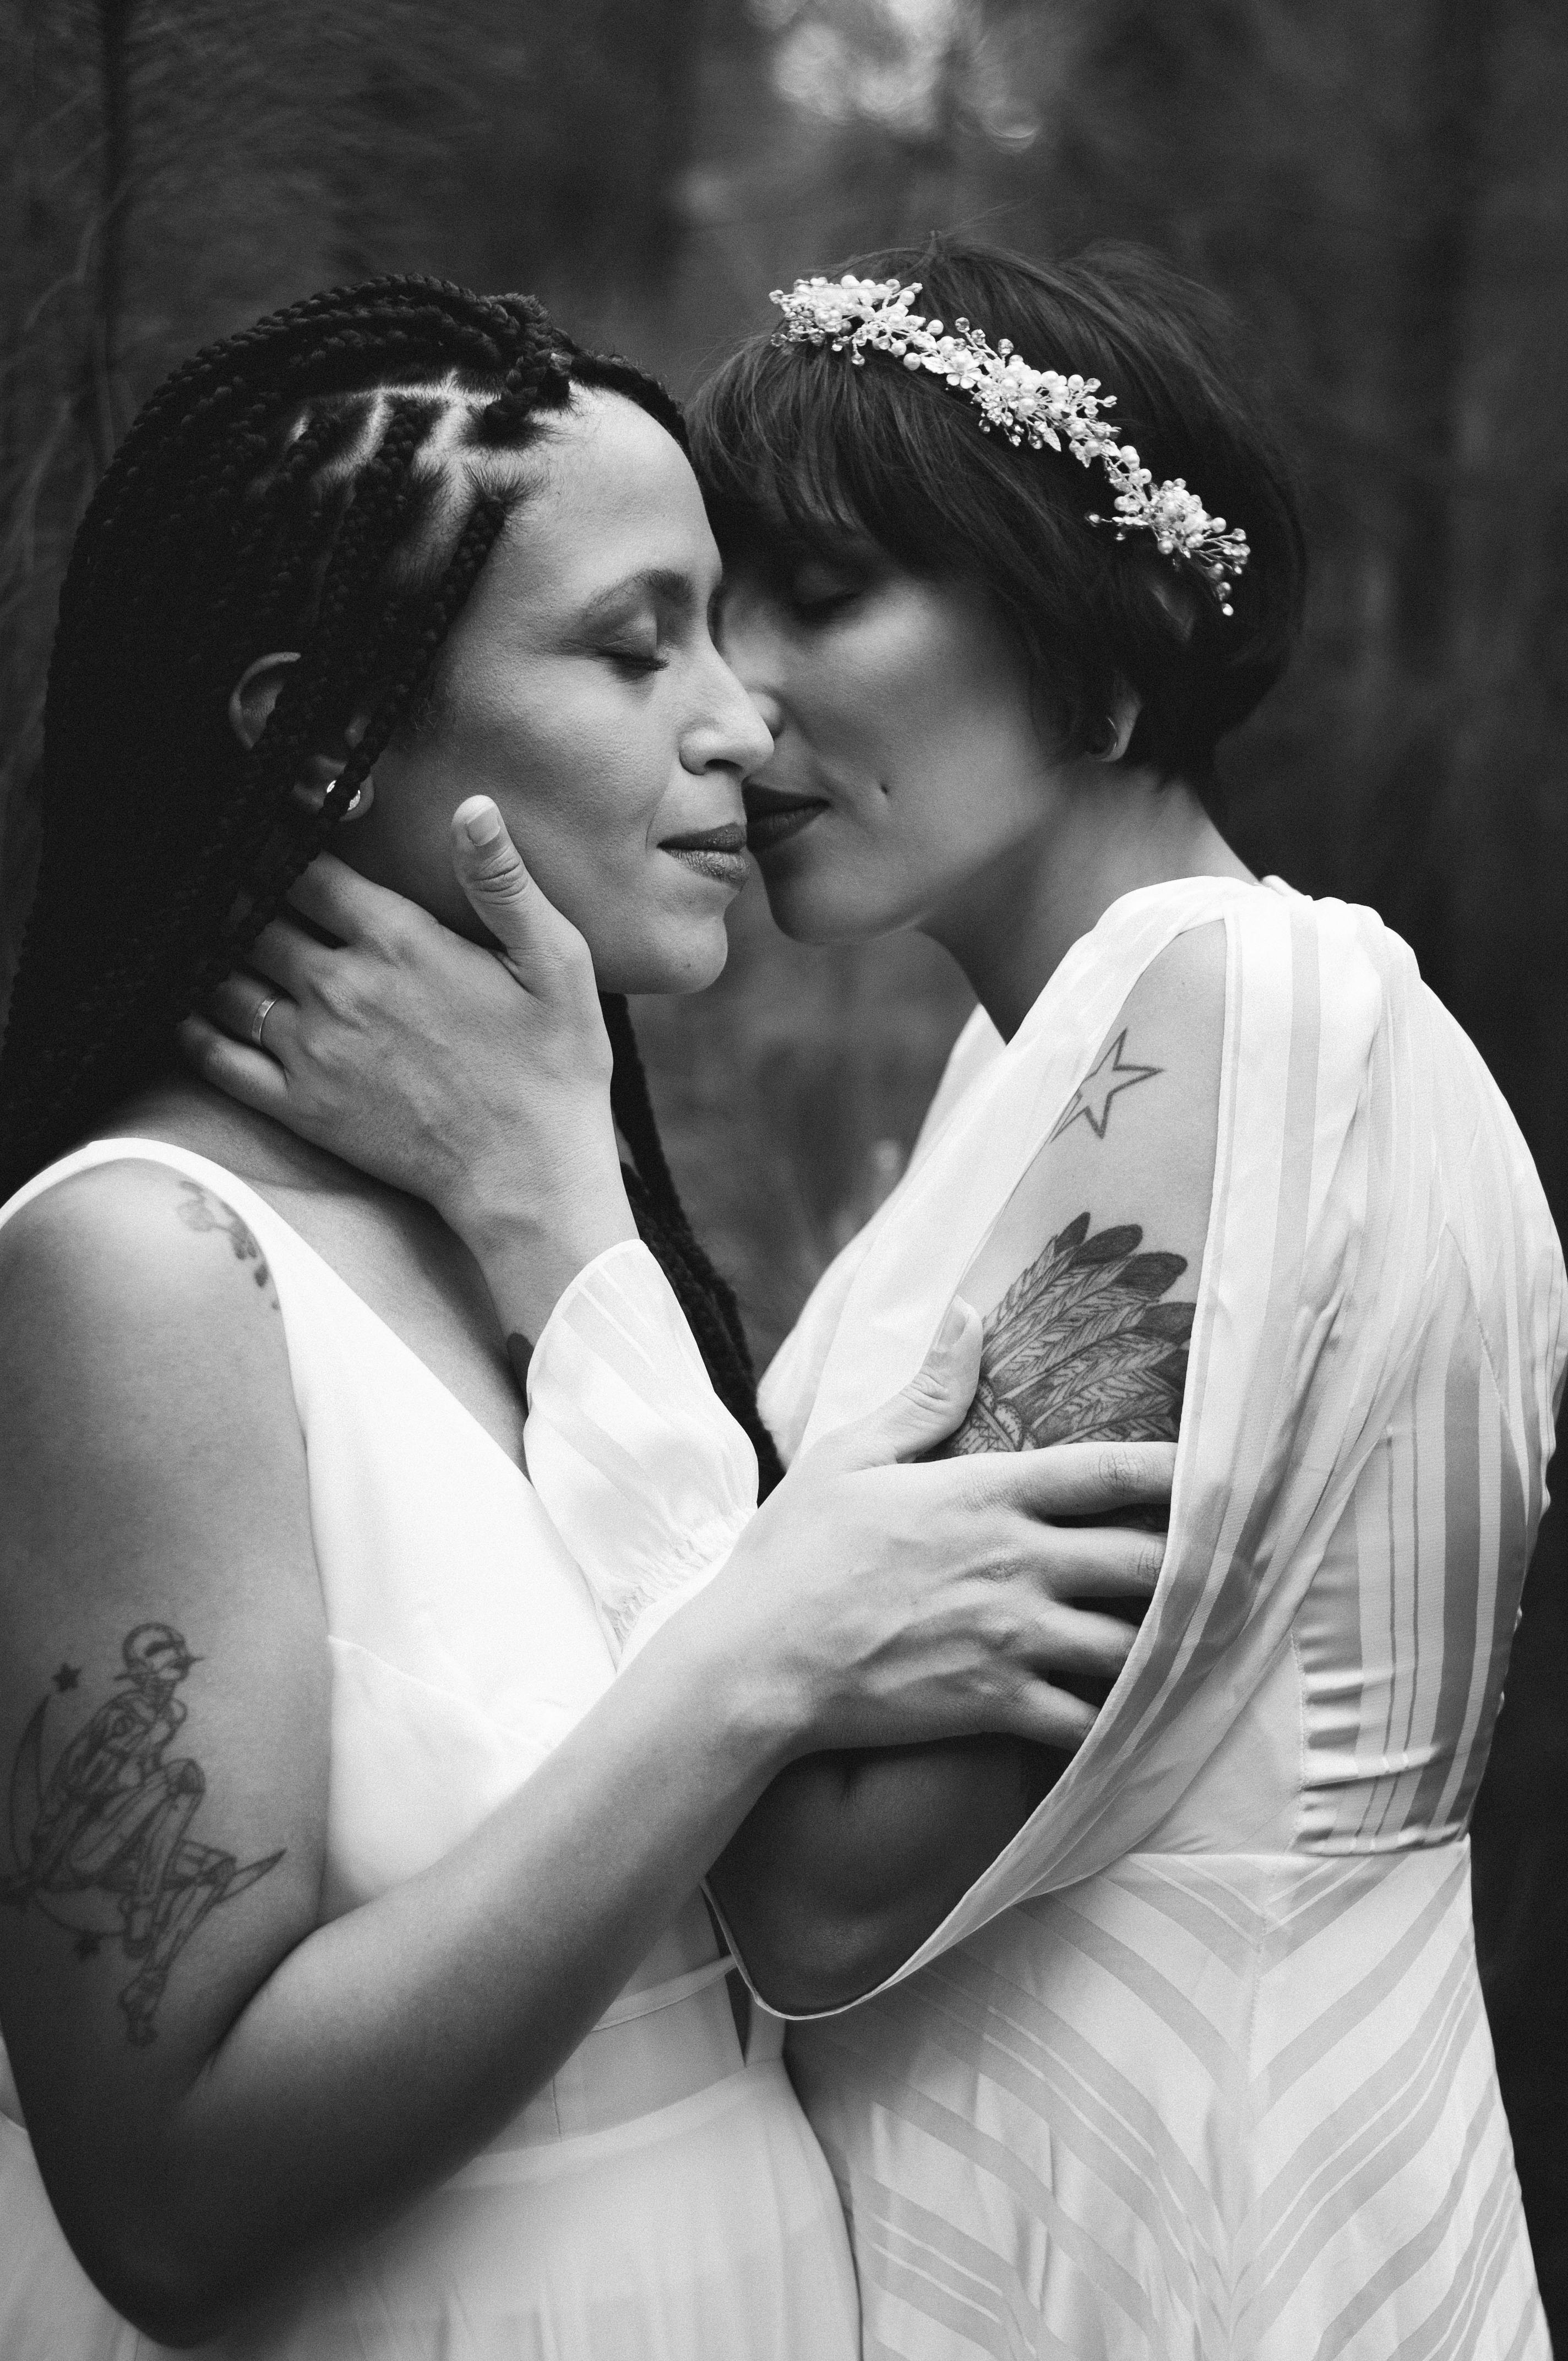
{"x": 1083, "y": 1345}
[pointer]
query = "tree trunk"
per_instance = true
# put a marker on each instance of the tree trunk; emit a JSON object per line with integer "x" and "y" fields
{"x": 101, "y": 372}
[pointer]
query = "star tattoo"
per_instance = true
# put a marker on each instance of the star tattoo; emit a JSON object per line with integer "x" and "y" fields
{"x": 67, "y": 1677}
{"x": 1092, "y": 1098}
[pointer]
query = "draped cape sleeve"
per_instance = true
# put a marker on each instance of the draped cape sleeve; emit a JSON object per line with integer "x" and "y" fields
{"x": 1360, "y": 1140}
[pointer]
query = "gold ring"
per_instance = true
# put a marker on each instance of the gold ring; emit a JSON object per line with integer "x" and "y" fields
{"x": 263, "y": 1011}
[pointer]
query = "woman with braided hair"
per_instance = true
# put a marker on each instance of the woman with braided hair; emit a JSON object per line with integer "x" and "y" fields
{"x": 356, "y": 1989}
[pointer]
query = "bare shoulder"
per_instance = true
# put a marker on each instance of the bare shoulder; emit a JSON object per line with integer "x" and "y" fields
{"x": 142, "y": 1349}
{"x": 1087, "y": 1284}
{"x": 119, "y": 1236}
{"x": 1170, "y": 1028}
{"x": 164, "y": 1675}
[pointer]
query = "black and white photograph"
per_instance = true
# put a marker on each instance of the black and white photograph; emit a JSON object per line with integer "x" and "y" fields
{"x": 784, "y": 1126}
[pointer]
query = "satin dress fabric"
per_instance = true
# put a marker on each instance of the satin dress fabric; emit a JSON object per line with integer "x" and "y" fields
{"x": 1199, "y": 2070}
{"x": 662, "y": 2199}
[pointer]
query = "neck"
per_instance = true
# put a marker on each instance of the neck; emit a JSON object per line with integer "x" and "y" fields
{"x": 191, "y": 1113}
{"x": 1013, "y": 922}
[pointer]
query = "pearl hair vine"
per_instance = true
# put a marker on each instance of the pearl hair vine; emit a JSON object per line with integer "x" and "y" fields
{"x": 1039, "y": 406}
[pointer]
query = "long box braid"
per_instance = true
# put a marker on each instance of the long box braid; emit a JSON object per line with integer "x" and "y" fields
{"x": 279, "y": 490}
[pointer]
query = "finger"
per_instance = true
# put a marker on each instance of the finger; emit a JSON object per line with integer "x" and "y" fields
{"x": 1078, "y": 1480}
{"x": 338, "y": 899}
{"x": 1046, "y": 1715}
{"x": 532, "y": 934}
{"x": 240, "y": 1073}
{"x": 1076, "y": 1640}
{"x": 1095, "y": 1561}
{"x": 286, "y": 955}
{"x": 924, "y": 1412}
{"x": 239, "y": 1000}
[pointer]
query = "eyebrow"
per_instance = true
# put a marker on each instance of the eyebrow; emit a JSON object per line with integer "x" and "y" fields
{"x": 664, "y": 585}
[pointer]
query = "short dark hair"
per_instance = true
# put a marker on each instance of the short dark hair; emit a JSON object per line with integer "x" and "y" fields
{"x": 797, "y": 449}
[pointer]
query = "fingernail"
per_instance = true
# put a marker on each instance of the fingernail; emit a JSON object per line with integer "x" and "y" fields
{"x": 955, "y": 1320}
{"x": 481, "y": 822}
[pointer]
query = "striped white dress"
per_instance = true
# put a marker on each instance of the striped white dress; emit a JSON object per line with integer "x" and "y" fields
{"x": 1199, "y": 2067}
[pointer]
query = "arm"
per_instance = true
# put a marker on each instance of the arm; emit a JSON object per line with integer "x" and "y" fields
{"x": 1087, "y": 1285}
{"x": 212, "y": 2080}
{"x": 414, "y": 1055}
{"x": 216, "y": 2084}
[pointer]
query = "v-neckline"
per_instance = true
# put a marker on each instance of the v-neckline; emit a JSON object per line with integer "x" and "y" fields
{"x": 163, "y": 1149}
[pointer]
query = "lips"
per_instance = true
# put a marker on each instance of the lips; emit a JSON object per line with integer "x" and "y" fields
{"x": 772, "y": 815}
{"x": 716, "y": 852}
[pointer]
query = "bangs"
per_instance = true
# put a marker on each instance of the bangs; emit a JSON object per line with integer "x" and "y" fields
{"x": 800, "y": 454}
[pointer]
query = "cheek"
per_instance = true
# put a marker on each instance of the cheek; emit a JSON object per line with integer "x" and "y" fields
{"x": 574, "y": 799}
{"x": 571, "y": 769}
{"x": 891, "y": 697}
{"x": 960, "y": 756}
{"x": 579, "y": 810}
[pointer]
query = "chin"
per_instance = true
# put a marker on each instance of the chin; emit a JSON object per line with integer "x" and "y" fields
{"x": 818, "y": 910}
{"x": 674, "y": 964}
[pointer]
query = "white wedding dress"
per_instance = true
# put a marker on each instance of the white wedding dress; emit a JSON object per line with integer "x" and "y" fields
{"x": 663, "y": 2198}
{"x": 1199, "y": 2070}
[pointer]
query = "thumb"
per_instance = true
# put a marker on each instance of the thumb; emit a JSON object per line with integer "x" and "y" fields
{"x": 927, "y": 1409}
{"x": 531, "y": 931}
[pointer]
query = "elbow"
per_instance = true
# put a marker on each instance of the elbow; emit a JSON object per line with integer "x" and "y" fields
{"x": 179, "y": 2307}
{"x": 804, "y": 1957}
{"x": 170, "y": 2280}
{"x": 828, "y": 1964}
{"x": 173, "y": 2316}
{"x": 169, "y": 2300}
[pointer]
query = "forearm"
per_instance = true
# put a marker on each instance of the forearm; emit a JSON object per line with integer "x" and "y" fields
{"x": 388, "y": 2046}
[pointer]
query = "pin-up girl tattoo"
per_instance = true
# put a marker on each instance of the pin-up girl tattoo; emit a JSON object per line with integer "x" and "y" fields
{"x": 102, "y": 1846}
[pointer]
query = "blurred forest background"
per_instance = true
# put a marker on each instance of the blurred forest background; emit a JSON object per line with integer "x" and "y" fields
{"x": 1383, "y": 193}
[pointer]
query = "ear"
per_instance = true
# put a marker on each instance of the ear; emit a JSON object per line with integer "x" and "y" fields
{"x": 1120, "y": 724}
{"x": 251, "y": 709}
{"x": 255, "y": 693}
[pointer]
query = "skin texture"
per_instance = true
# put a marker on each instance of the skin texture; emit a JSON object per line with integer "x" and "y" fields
{"x": 217, "y": 2093}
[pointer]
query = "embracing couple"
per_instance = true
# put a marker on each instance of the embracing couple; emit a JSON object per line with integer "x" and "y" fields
{"x": 434, "y": 1778}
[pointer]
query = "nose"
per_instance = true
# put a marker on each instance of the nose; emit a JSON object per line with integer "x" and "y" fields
{"x": 769, "y": 704}
{"x": 735, "y": 733}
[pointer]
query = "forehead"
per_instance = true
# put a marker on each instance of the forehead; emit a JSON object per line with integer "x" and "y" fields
{"x": 611, "y": 494}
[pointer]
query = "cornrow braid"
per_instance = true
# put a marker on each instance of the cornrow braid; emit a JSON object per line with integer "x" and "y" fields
{"x": 276, "y": 492}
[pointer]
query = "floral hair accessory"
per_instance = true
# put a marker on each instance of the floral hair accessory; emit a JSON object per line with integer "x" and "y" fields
{"x": 1027, "y": 405}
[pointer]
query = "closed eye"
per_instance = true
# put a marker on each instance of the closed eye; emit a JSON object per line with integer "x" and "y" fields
{"x": 817, "y": 589}
{"x": 635, "y": 662}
